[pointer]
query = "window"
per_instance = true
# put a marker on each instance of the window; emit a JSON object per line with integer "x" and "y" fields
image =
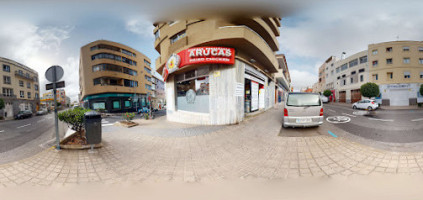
{"x": 148, "y": 78}
{"x": 36, "y": 96}
{"x": 128, "y": 104}
{"x": 421, "y": 74}
{"x": 129, "y": 71}
{"x": 344, "y": 67}
{"x": 389, "y": 61}
{"x": 374, "y": 63}
{"x": 406, "y": 60}
{"x": 147, "y": 70}
{"x": 344, "y": 82}
{"x": 113, "y": 57}
{"x": 331, "y": 72}
{"x": 157, "y": 34}
{"x": 353, "y": 72}
{"x": 390, "y": 75}
{"x": 361, "y": 78}
{"x": 99, "y": 105}
{"x": 22, "y": 94}
{"x": 352, "y": 80}
{"x": 375, "y": 77}
{"x": 363, "y": 59}
{"x": 176, "y": 37}
{"x": 7, "y": 80}
{"x": 388, "y": 49}
{"x": 35, "y": 86}
{"x": 97, "y": 81}
{"x": 29, "y": 95}
{"x": 374, "y": 52}
{"x": 192, "y": 90}
{"x": 361, "y": 70}
{"x": 405, "y": 48}
{"x": 148, "y": 87}
{"x": 343, "y": 76}
{"x": 421, "y": 49}
{"x": 116, "y": 104}
{"x": 337, "y": 70}
{"x": 338, "y": 77}
{"x": 130, "y": 83}
{"x": 6, "y": 68}
{"x": 421, "y": 60}
{"x": 147, "y": 63}
{"x": 127, "y": 52}
{"x": 21, "y": 83}
{"x": 28, "y": 85}
{"x": 7, "y": 92}
{"x": 353, "y": 63}
{"x": 406, "y": 74}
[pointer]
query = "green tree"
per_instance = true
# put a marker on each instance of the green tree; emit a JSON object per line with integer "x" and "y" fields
{"x": 74, "y": 118}
{"x": 421, "y": 89}
{"x": 327, "y": 93}
{"x": 370, "y": 90}
{"x": 1, "y": 104}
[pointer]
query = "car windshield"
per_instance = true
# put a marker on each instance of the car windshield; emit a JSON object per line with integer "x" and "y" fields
{"x": 303, "y": 100}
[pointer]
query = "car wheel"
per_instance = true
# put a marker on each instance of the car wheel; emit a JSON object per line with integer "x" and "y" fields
{"x": 355, "y": 107}
{"x": 369, "y": 108}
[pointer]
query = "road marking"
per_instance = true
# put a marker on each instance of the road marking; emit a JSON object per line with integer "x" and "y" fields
{"x": 384, "y": 120}
{"x": 332, "y": 134}
{"x": 349, "y": 115}
{"x": 331, "y": 110}
{"x": 24, "y": 125}
{"x": 416, "y": 120}
{"x": 338, "y": 119}
{"x": 107, "y": 124}
{"x": 41, "y": 120}
{"x": 1, "y": 131}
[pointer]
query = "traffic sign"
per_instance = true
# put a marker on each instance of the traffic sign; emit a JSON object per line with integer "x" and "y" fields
{"x": 54, "y": 73}
{"x": 60, "y": 84}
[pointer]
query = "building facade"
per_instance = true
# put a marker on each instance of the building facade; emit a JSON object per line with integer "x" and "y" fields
{"x": 48, "y": 98}
{"x": 158, "y": 100}
{"x": 283, "y": 79}
{"x": 114, "y": 77}
{"x": 217, "y": 69}
{"x": 19, "y": 87}
{"x": 397, "y": 67}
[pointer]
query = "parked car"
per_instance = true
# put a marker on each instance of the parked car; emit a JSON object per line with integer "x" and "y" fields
{"x": 41, "y": 112}
{"x": 23, "y": 114}
{"x": 303, "y": 110}
{"x": 324, "y": 99}
{"x": 367, "y": 104}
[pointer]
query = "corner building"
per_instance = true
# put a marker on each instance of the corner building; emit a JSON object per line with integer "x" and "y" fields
{"x": 113, "y": 77}
{"x": 217, "y": 70}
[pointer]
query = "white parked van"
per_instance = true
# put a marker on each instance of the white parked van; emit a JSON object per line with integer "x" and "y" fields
{"x": 303, "y": 110}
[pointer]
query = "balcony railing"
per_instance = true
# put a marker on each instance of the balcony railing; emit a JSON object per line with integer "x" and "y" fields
{"x": 22, "y": 75}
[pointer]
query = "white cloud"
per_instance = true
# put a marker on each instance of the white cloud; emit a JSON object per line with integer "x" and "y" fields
{"x": 140, "y": 27}
{"x": 301, "y": 79}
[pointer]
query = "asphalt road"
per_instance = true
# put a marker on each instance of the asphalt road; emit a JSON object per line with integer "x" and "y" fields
{"x": 395, "y": 126}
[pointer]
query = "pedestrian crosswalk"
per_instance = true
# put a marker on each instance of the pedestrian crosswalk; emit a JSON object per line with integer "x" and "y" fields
{"x": 104, "y": 122}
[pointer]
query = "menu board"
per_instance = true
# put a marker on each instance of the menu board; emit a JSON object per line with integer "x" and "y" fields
{"x": 254, "y": 95}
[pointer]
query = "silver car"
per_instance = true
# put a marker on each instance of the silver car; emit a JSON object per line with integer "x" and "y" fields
{"x": 303, "y": 110}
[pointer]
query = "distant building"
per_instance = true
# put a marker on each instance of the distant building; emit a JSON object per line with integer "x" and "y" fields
{"x": 47, "y": 99}
{"x": 114, "y": 77}
{"x": 19, "y": 87}
{"x": 283, "y": 79}
{"x": 158, "y": 99}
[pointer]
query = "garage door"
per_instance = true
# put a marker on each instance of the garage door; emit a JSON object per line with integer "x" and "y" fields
{"x": 399, "y": 98}
{"x": 355, "y": 95}
{"x": 342, "y": 96}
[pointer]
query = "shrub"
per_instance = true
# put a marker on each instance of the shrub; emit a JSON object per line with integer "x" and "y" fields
{"x": 327, "y": 93}
{"x": 74, "y": 118}
{"x": 128, "y": 116}
{"x": 1, "y": 104}
{"x": 370, "y": 90}
{"x": 421, "y": 89}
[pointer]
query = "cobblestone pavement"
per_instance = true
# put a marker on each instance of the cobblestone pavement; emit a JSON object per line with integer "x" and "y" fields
{"x": 252, "y": 149}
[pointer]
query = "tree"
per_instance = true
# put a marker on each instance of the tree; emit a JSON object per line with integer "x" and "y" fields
{"x": 74, "y": 117}
{"x": 370, "y": 90}
{"x": 421, "y": 89}
{"x": 327, "y": 93}
{"x": 2, "y": 103}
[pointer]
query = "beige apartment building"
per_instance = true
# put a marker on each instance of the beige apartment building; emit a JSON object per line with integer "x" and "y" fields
{"x": 217, "y": 70}
{"x": 397, "y": 67}
{"x": 19, "y": 88}
{"x": 114, "y": 77}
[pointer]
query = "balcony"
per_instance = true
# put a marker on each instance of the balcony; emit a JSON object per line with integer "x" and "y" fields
{"x": 25, "y": 76}
{"x": 3, "y": 96}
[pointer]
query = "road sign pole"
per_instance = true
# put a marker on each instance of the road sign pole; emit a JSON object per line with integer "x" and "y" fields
{"x": 56, "y": 121}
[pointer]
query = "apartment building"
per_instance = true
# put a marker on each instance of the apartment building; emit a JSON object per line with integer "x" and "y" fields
{"x": 397, "y": 67}
{"x": 19, "y": 88}
{"x": 217, "y": 70}
{"x": 283, "y": 79}
{"x": 114, "y": 77}
{"x": 158, "y": 99}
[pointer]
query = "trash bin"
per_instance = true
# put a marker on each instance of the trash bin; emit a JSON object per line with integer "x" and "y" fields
{"x": 92, "y": 124}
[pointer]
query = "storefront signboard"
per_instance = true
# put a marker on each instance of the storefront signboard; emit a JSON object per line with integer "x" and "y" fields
{"x": 398, "y": 86}
{"x": 254, "y": 96}
{"x": 199, "y": 55}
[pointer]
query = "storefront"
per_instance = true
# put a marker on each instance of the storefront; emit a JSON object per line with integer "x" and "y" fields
{"x": 115, "y": 102}
{"x": 208, "y": 85}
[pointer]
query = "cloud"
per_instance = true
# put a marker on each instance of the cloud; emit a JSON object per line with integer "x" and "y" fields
{"x": 140, "y": 27}
{"x": 302, "y": 79}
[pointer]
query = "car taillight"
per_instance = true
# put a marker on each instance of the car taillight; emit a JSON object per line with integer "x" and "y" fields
{"x": 321, "y": 112}
{"x": 373, "y": 102}
{"x": 285, "y": 112}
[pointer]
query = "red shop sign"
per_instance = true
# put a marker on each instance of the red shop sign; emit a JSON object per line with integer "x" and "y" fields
{"x": 199, "y": 55}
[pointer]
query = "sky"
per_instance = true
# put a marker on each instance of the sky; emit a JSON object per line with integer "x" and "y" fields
{"x": 43, "y": 33}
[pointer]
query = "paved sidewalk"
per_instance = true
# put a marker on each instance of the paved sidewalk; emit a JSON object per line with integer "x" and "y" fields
{"x": 250, "y": 150}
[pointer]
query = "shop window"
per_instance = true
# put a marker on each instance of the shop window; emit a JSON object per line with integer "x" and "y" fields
{"x": 99, "y": 105}
{"x": 192, "y": 91}
{"x": 116, "y": 104}
{"x": 127, "y": 104}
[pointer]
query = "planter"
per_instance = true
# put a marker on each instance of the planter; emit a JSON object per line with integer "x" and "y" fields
{"x": 76, "y": 141}
{"x": 127, "y": 124}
